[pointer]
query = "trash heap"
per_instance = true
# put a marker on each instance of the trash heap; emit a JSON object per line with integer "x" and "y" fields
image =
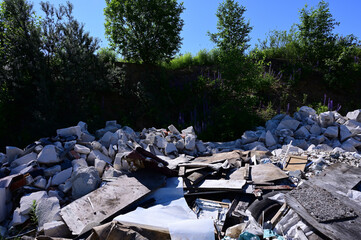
{"x": 165, "y": 183}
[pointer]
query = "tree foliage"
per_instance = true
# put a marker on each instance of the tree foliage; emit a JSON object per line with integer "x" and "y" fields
{"x": 233, "y": 29}
{"x": 143, "y": 30}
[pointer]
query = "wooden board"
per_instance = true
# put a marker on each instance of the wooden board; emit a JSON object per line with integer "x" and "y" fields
{"x": 91, "y": 209}
{"x": 295, "y": 163}
{"x": 220, "y": 157}
{"x": 266, "y": 173}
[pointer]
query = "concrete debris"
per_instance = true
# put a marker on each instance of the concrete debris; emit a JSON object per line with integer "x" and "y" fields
{"x": 111, "y": 172}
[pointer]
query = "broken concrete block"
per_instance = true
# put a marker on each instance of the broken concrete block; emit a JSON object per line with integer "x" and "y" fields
{"x": 338, "y": 150}
{"x": 120, "y": 163}
{"x": 315, "y": 130}
{"x": 96, "y": 145}
{"x": 160, "y": 142}
{"x": 335, "y": 143}
{"x": 40, "y": 183}
{"x": 105, "y": 140}
{"x": 65, "y": 187}
{"x": 173, "y": 129}
{"x": 12, "y": 153}
{"x": 353, "y": 142}
{"x": 24, "y": 159}
{"x": 111, "y": 152}
{"x": 84, "y": 180}
{"x": 301, "y": 143}
{"x": 56, "y": 229}
{"x": 189, "y": 130}
{"x": 112, "y": 173}
{"x": 270, "y": 139}
{"x": 69, "y": 145}
{"x": 344, "y": 133}
{"x": 47, "y": 210}
{"x": 252, "y": 145}
{"x": 306, "y": 111}
{"x": 291, "y": 124}
{"x": 331, "y": 132}
{"x": 200, "y": 146}
{"x": 190, "y": 142}
{"x": 302, "y": 133}
{"x": 18, "y": 218}
{"x": 355, "y": 115}
{"x": 271, "y": 125}
{"x": 248, "y": 137}
{"x": 52, "y": 171}
{"x": 26, "y": 202}
{"x": 61, "y": 177}
{"x": 180, "y": 144}
{"x": 78, "y": 163}
{"x": 170, "y": 149}
{"x": 86, "y": 137}
{"x": 326, "y": 119}
{"x": 97, "y": 154}
{"x": 70, "y": 131}
{"x": 38, "y": 149}
{"x": 48, "y": 155}
{"x": 81, "y": 149}
{"x": 99, "y": 166}
{"x": 353, "y": 126}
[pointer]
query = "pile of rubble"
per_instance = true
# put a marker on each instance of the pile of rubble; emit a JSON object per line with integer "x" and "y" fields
{"x": 165, "y": 183}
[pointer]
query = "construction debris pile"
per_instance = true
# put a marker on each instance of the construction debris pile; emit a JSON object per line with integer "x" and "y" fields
{"x": 296, "y": 178}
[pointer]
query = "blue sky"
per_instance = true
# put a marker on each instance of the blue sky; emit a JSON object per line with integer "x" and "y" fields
{"x": 199, "y": 17}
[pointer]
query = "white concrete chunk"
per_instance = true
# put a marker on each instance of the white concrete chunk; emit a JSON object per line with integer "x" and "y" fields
{"x": 84, "y": 180}
{"x": 48, "y": 155}
{"x": 24, "y": 159}
{"x": 47, "y": 210}
{"x": 62, "y": 176}
{"x": 180, "y": 144}
{"x": 40, "y": 183}
{"x": 170, "y": 148}
{"x": 348, "y": 147}
{"x": 355, "y": 115}
{"x": 99, "y": 166}
{"x": 56, "y": 229}
{"x": 81, "y": 149}
{"x": 306, "y": 111}
{"x": 315, "y": 130}
{"x": 270, "y": 139}
{"x": 326, "y": 119}
{"x": 70, "y": 131}
{"x": 120, "y": 163}
{"x": 200, "y": 146}
{"x": 189, "y": 130}
{"x": 12, "y": 153}
{"x": 248, "y": 137}
{"x": 331, "y": 132}
{"x": 52, "y": 171}
{"x": 26, "y": 201}
{"x": 288, "y": 124}
{"x": 190, "y": 142}
{"x": 97, "y": 154}
{"x": 18, "y": 218}
{"x": 173, "y": 129}
{"x": 160, "y": 142}
{"x": 302, "y": 133}
{"x": 344, "y": 133}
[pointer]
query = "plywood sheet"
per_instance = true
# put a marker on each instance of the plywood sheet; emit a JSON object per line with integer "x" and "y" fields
{"x": 295, "y": 163}
{"x": 91, "y": 209}
{"x": 222, "y": 184}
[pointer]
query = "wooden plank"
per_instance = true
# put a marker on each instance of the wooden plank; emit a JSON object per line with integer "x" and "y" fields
{"x": 246, "y": 172}
{"x": 91, "y": 209}
{"x": 266, "y": 173}
{"x": 220, "y": 157}
{"x": 295, "y": 163}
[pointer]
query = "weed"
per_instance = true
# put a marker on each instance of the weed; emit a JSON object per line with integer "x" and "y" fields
{"x": 33, "y": 216}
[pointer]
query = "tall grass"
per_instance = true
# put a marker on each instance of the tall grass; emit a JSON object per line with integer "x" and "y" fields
{"x": 203, "y": 58}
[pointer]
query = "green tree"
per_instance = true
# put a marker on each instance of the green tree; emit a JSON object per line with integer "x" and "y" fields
{"x": 233, "y": 29}
{"x": 316, "y": 32}
{"x": 144, "y": 31}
